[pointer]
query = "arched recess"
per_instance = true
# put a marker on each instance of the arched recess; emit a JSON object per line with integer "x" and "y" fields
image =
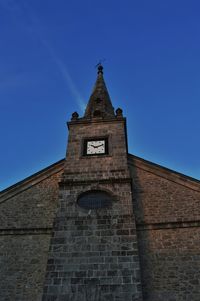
{"x": 95, "y": 199}
{"x": 97, "y": 113}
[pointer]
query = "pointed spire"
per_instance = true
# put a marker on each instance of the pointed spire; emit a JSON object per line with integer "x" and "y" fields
{"x": 99, "y": 104}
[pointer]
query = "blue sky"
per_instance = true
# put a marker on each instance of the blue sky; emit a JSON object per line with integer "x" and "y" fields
{"x": 48, "y": 50}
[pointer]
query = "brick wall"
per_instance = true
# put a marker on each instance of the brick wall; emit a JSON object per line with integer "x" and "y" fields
{"x": 167, "y": 213}
{"x": 26, "y": 217}
{"x": 159, "y": 200}
{"x": 23, "y": 260}
{"x": 88, "y": 168}
{"x": 33, "y": 207}
{"x": 94, "y": 255}
{"x": 170, "y": 264}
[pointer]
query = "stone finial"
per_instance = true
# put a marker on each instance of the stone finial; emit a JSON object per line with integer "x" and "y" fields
{"x": 119, "y": 112}
{"x": 100, "y": 69}
{"x": 74, "y": 116}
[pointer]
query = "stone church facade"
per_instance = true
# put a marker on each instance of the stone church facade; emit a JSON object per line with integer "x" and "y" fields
{"x": 101, "y": 224}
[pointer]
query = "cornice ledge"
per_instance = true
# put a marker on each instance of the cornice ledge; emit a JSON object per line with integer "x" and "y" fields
{"x": 66, "y": 183}
{"x": 95, "y": 120}
{"x": 167, "y": 225}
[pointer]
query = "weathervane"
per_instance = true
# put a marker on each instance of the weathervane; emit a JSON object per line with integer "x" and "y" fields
{"x": 100, "y": 63}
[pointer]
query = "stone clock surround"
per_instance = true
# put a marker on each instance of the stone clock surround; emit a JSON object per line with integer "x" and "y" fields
{"x": 116, "y": 160}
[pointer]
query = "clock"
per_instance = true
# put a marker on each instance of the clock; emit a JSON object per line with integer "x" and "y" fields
{"x": 96, "y": 146}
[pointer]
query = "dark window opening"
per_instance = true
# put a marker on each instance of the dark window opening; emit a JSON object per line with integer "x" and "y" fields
{"x": 97, "y": 113}
{"x": 95, "y": 199}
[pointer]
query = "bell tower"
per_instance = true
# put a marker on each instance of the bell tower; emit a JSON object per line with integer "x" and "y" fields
{"x": 93, "y": 253}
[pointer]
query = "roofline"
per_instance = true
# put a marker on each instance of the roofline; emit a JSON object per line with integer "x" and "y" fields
{"x": 164, "y": 172}
{"x": 31, "y": 180}
{"x": 141, "y": 163}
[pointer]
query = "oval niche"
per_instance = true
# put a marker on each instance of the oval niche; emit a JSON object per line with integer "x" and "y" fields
{"x": 95, "y": 199}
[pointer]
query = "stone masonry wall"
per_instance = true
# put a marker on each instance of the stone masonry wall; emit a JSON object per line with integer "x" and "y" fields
{"x": 22, "y": 264}
{"x": 31, "y": 208}
{"x": 170, "y": 262}
{"x": 114, "y": 165}
{"x": 159, "y": 200}
{"x": 94, "y": 255}
{"x": 25, "y": 230}
{"x": 168, "y": 230}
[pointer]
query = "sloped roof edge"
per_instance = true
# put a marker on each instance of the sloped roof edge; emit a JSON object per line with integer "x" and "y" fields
{"x": 133, "y": 160}
{"x": 164, "y": 172}
{"x": 31, "y": 180}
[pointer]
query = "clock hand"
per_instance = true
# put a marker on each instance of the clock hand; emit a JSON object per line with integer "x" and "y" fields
{"x": 96, "y": 146}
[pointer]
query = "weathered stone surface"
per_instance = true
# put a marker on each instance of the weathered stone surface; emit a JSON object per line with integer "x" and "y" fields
{"x": 159, "y": 200}
{"x": 26, "y": 217}
{"x": 167, "y": 210}
{"x": 167, "y": 214}
{"x": 170, "y": 263}
{"x": 93, "y": 253}
{"x": 22, "y": 265}
{"x": 94, "y": 250}
{"x": 33, "y": 207}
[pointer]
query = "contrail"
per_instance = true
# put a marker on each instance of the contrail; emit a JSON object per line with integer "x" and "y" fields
{"x": 25, "y": 10}
{"x": 65, "y": 74}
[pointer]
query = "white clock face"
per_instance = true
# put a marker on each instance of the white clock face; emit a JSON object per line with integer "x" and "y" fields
{"x": 96, "y": 147}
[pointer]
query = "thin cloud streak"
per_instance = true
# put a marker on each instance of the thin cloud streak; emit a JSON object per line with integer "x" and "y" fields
{"x": 35, "y": 27}
{"x": 65, "y": 74}
{"x": 71, "y": 85}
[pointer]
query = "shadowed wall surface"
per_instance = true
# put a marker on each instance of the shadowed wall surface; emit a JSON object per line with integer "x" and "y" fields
{"x": 26, "y": 215}
{"x": 166, "y": 207}
{"x": 168, "y": 228}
